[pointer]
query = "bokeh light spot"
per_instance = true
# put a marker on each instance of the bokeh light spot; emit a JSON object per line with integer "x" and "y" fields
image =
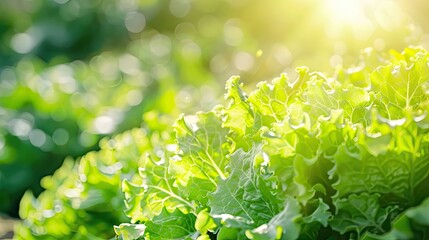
{"x": 129, "y": 64}
{"x": 184, "y": 31}
{"x": 37, "y": 137}
{"x": 336, "y": 60}
{"x": 243, "y": 61}
{"x": 218, "y": 64}
{"x": 135, "y": 22}
{"x": 22, "y": 43}
{"x": 233, "y": 35}
{"x": 160, "y": 45}
{"x": 61, "y": 1}
{"x": 191, "y": 50}
{"x": 127, "y": 4}
{"x": 19, "y": 127}
{"x": 209, "y": 26}
{"x": 183, "y": 98}
{"x": 2, "y": 142}
{"x": 134, "y": 97}
{"x": 104, "y": 125}
{"x": 282, "y": 54}
{"x": 340, "y": 48}
{"x": 60, "y": 136}
{"x": 379, "y": 44}
{"x": 87, "y": 139}
{"x": 7, "y": 82}
{"x": 180, "y": 8}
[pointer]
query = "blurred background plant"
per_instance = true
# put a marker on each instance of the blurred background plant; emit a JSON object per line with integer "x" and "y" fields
{"x": 74, "y": 71}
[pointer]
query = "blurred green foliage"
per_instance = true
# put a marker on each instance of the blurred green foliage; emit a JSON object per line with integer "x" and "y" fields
{"x": 53, "y": 104}
{"x": 73, "y": 71}
{"x": 83, "y": 200}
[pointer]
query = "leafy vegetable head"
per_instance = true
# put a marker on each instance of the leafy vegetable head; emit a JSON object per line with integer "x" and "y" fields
{"x": 317, "y": 157}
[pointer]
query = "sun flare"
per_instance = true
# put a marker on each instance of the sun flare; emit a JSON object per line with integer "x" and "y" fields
{"x": 348, "y": 12}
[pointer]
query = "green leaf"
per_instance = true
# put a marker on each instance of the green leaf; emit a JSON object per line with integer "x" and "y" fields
{"x": 154, "y": 187}
{"x": 230, "y": 233}
{"x": 156, "y": 192}
{"x": 396, "y": 168}
{"x": 239, "y": 114}
{"x": 202, "y": 154}
{"x": 284, "y": 225}
{"x": 401, "y": 229}
{"x": 244, "y": 193}
{"x": 402, "y": 86}
{"x": 171, "y": 225}
{"x": 359, "y": 213}
{"x": 204, "y": 222}
{"x": 320, "y": 215}
{"x": 127, "y": 231}
{"x": 312, "y": 223}
{"x": 411, "y": 224}
{"x": 272, "y": 100}
{"x": 322, "y": 97}
{"x": 420, "y": 214}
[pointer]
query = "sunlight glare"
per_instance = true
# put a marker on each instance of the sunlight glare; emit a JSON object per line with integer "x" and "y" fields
{"x": 348, "y": 12}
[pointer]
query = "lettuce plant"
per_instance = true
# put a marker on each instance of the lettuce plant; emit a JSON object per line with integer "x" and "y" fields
{"x": 312, "y": 158}
{"x": 341, "y": 157}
